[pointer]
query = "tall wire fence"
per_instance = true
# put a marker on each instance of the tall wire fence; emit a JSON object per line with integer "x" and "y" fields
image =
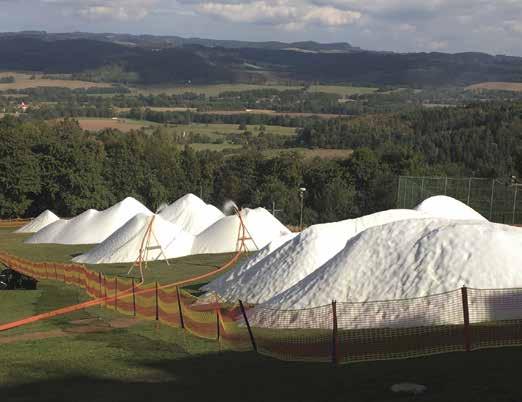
{"x": 461, "y": 320}
{"x": 497, "y": 200}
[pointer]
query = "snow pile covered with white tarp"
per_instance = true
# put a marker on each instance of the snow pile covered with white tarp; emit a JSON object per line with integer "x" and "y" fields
{"x": 297, "y": 258}
{"x": 91, "y": 226}
{"x": 158, "y": 239}
{"x": 191, "y": 214}
{"x": 405, "y": 260}
{"x": 44, "y": 219}
{"x": 441, "y": 206}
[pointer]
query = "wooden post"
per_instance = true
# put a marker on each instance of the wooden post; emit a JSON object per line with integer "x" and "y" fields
{"x": 116, "y": 294}
{"x": 100, "y": 282}
{"x": 465, "y": 308}
{"x": 55, "y": 273}
{"x": 133, "y": 299}
{"x": 180, "y": 310}
{"x": 335, "y": 340}
{"x": 254, "y": 346}
{"x": 157, "y": 302}
{"x": 218, "y": 331}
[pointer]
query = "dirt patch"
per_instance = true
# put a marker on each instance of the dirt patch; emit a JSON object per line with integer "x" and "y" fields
{"x": 498, "y": 86}
{"x": 32, "y": 337}
{"x": 101, "y": 124}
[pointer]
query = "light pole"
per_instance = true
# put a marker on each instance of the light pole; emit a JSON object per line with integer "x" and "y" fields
{"x": 301, "y": 195}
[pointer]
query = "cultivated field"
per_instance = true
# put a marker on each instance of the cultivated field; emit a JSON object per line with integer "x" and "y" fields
{"x": 23, "y": 81}
{"x": 124, "y": 125}
{"x": 497, "y": 86}
{"x": 215, "y": 90}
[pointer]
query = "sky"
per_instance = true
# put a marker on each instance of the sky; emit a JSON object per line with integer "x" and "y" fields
{"x": 492, "y": 26}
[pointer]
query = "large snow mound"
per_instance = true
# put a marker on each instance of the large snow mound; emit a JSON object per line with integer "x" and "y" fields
{"x": 441, "y": 206}
{"x": 45, "y": 218}
{"x": 404, "y": 260}
{"x": 299, "y": 257}
{"x": 166, "y": 240}
{"x": 221, "y": 237}
{"x": 191, "y": 214}
{"x": 91, "y": 226}
{"x": 233, "y": 274}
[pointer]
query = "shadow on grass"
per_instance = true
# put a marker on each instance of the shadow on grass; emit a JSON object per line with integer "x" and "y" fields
{"x": 479, "y": 376}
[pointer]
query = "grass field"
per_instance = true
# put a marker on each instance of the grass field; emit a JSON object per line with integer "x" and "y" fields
{"x": 215, "y": 90}
{"x": 23, "y": 81}
{"x": 497, "y": 86}
{"x": 99, "y": 355}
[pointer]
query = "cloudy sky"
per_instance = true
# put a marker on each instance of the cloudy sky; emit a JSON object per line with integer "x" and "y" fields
{"x": 493, "y": 26}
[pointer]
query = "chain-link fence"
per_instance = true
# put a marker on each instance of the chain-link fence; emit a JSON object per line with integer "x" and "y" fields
{"x": 497, "y": 200}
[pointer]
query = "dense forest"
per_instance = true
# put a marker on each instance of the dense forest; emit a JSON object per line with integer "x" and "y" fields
{"x": 102, "y": 60}
{"x": 59, "y": 166}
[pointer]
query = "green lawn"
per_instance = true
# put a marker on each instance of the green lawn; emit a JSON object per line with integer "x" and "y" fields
{"x": 145, "y": 361}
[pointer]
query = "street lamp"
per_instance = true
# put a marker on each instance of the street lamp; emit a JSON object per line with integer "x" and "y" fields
{"x": 301, "y": 195}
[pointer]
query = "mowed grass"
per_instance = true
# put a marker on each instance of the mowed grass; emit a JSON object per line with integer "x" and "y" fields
{"x": 61, "y": 360}
{"x": 497, "y": 86}
{"x": 23, "y": 81}
{"x": 217, "y": 129}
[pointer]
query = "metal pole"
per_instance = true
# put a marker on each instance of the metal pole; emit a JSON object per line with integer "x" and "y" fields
{"x": 180, "y": 311}
{"x": 254, "y": 345}
{"x": 422, "y": 190}
{"x": 515, "y": 203}
{"x": 465, "y": 309}
{"x": 301, "y": 215}
{"x": 491, "y": 199}
{"x": 469, "y": 190}
{"x": 399, "y": 192}
{"x": 157, "y": 304}
{"x": 116, "y": 294}
{"x": 446, "y": 185}
{"x": 335, "y": 339}
{"x": 133, "y": 299}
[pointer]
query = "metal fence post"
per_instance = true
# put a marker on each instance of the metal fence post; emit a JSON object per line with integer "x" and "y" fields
{"x": 469, "y": 190}
{"x": 465, "y": 309}
{"x": 116, "y": 294}
{"x": 157, "y": 301}
{"x": 399, "y": 192}
{"x": 335, "y": 340}
{"x": 515, "y": 204}
{"x": 254, "y": 345}
{"x": 133, "y": 299}
{"x": 100, "y": 282}
{"x": 446, "y": 185}
{"x": 491, "y": 199}
{"x": 180, "y": 310}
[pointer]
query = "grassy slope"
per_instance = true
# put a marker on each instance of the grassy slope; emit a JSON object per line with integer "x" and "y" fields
{"x": 148, "y": 362}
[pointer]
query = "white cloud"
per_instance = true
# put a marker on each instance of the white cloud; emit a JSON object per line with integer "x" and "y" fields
{"x": 291, "y": 16}
{"x": 123, "y": 10}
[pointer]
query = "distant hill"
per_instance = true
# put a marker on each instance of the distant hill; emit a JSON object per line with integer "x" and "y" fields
{"x": 202, "y": 61}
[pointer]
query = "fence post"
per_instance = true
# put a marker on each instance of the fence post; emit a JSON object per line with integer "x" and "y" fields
{"x": 133, "y": 299}
{"x": 55, "y": 273}
{"x": 446, "y": 185}
{"x": 399, "y": 192}
{"x": 157, "y": 304}
{"x": 100, "y": 282}
{"x": 335, "y": 339}
{"x": 465, "y": 308}
{"x": 515, "y": 204}
{"x": 218, "y": 331}
{"x": 180, "y": 310}
{"x": 254, "y": 346}
{"x": 116, "y": 294}
{"x": 491, "y": 199}
{"x": 469, "y": 191}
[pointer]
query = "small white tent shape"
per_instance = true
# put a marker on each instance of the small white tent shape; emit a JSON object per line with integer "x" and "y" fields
{"x": 38, "y": 223}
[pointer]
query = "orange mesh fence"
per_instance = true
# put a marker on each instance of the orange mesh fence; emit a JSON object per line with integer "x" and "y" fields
{"x": 299, "y": 335}
{"x": 13, "y": 223}
{"x": 146, "y": 302}
{"x": 199, "y": 320}
{"x": 169, "y": 307}
{"x": 233, "y": 336}
{"x": 495, "y": 318}
{"x": 125, "y": 303}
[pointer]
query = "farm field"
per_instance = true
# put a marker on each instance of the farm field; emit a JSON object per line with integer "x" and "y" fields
{"x": 125, "y": 125}
{"x": 215, "y": 90}
{"x": 497, "y": 86}
{"x": 102, "y": 355}
{"x": 23, "y": 81}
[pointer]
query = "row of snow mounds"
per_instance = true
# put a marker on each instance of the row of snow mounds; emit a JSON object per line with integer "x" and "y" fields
{"x": 167, "y": 240}
{"x": 191, "y": 214}
{"x": 405, "y": 260}
{"x": 44, "y": 219}
{"x": 297, "y": 258}
{"x": 91, "y": 226}
{"x": 441, "y": 206}
{"x": 222, "y": 236}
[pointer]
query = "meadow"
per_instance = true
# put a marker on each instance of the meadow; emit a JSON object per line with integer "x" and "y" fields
{"x": 34, "y": 80}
